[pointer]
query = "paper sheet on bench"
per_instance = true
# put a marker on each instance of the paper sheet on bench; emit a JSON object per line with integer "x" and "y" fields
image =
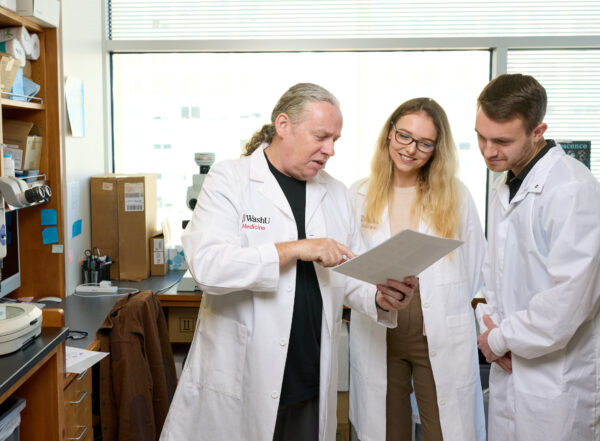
{"x": 78, "y": 360}
{"x": 407, "y": 253}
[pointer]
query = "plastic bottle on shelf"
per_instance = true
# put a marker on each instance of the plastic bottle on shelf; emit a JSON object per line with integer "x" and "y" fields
{"x": 9, "y": 165}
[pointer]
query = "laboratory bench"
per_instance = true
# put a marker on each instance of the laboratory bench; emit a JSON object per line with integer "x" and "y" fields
{"x": 36, "y": 373}
{"x": 59, "y": 404}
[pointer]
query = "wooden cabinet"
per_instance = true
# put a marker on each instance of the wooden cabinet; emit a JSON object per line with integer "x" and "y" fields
{"x": 78, "y": 408}
{"x": 42, "y": 271}
{"x": 36, "y": 374}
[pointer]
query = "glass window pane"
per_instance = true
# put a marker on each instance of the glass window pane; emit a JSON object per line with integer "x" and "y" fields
{"x": 572, "y": 81}
{"x": 369, "y": 86}
{"x": 300, "y": 19}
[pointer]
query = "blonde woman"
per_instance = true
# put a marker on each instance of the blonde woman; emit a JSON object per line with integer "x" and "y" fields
{"x": 433, "y": 350}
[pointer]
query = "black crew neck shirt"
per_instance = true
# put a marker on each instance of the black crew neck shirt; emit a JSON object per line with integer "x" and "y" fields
{"x": 302, "y": 366}
{"x": 514, "y": 182}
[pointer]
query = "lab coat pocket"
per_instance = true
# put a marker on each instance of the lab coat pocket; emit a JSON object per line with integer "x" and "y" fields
{"x": 542, "y": 376}
{"x": 222, "y": 354}
{"x": 461, "y": 326}
{"x": 553, "y": 418}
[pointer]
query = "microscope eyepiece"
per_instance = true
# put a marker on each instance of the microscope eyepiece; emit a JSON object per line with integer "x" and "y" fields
{"x": 35, "y": 194}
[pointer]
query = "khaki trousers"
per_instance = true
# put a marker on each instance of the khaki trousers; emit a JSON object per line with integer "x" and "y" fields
{"x": 408, "y": 364}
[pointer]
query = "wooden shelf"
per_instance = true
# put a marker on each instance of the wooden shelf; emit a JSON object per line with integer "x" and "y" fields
{"x": 9, "y": 18}
{"x": 14, "y": 104}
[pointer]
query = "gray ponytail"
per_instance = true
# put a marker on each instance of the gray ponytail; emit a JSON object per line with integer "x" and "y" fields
{"x": 291, "y": 103}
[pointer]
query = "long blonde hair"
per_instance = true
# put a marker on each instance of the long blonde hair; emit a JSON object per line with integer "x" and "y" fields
{"x": 292, "y": 103}
{"x": 437, "y": 196}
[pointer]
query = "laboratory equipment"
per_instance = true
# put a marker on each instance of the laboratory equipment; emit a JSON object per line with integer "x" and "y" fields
{"x": 19, "y": 324}
{"x": 18, "y": 193}
{"x": 10, "y": 264}
{"x": 204, "y": 161}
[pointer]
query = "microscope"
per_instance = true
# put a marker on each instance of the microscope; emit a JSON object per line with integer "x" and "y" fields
{"x": 204, "y": 162}
{"x": 17, "y": 193}
{"x": 20, "y": 323}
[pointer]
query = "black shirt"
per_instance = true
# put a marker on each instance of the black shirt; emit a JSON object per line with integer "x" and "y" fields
{"x": 302, "y": 366}
{"x": 514, "y": 182}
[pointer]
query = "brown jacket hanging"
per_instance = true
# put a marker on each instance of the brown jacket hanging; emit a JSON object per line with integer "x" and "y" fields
{"x": 137, "y": 380}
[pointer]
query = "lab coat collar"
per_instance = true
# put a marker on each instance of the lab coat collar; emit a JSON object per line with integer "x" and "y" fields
{"x": 269, "y": 188}
{"x": 535, "y": 179}
{"x": 259, "y": 172}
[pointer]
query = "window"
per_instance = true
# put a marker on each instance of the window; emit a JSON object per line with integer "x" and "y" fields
{"x": 372, "y": 54}
{"x": 369, "y": 86}
{"x": 302, "y": 19}
{"x": 572, "y": 81}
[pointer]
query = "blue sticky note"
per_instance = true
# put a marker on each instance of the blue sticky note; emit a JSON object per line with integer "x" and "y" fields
{"x": 48, "y": 216}
{"x": 76, "y": 228}
{"x": 50, "y": 235}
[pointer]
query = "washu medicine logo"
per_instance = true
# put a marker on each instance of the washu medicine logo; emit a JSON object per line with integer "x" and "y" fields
{"x": 251, "y": 222}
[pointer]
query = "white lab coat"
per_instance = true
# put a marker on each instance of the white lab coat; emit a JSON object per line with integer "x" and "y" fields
{"x": 447, "y": 288}
{"x": 230, "y": 385}
{"x": 543, "y": 290}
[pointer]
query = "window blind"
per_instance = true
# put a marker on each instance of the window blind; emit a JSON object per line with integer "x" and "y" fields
{"x": 572, "y": 81}
{"x": 297, "y": 19}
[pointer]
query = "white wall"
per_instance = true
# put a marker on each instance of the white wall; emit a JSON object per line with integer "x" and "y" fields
{"x": 82, "y": 58}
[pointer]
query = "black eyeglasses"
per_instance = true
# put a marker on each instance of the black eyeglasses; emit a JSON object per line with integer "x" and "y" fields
{"x": 404, "y": 139}
{"x": 77, "y": 335}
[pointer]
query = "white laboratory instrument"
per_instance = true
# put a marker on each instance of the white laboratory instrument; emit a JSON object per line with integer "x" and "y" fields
{"x": 19, "y": 324}
{"x": 204, "y": 161}
{"x": 16, "y": 192}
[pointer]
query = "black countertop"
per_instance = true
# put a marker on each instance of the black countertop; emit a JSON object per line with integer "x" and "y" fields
{"x": 14, "y": 366}
{"x": 86, "y": 312}
{"x": 82, "y": 313}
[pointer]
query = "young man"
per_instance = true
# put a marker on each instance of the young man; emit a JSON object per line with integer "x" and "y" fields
{"x": 265, "y": 230}
{"x": 543, "y": 276}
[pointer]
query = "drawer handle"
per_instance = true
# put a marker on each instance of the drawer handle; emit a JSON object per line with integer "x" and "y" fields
{"x": 79, "y": 377}
{"x": 83, "y": 395}
{"x": 83, "y": 432}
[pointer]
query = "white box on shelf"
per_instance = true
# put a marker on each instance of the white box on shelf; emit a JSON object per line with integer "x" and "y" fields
{"x": 46, "y": 13}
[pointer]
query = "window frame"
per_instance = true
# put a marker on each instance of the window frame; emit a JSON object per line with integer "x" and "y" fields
{"x": 498, "y": 47}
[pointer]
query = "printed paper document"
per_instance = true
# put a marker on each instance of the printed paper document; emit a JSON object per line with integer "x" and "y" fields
{"x": 78, "y": 360}
{"x": 407, "y": 253}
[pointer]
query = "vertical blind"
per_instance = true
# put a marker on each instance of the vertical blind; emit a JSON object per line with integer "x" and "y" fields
{"x": 295, "y": 19}
{"x": 572, "y": 81}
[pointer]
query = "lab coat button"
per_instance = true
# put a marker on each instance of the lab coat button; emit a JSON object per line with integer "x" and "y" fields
{"x": 442, "y": 402}
{"x": 289, "y": 288}
{"x": 433, "y": 353}
{"x": 282, "y": 342}
{"x": 274, "y": 395}
{"x": 426, "y": 305}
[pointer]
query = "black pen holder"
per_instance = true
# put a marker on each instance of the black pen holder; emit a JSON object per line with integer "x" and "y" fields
{"x": 95, "y": 276}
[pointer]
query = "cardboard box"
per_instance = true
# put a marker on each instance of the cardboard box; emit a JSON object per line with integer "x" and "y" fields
{"x": 123, "y": 214}
{"x": 159, "y": 266}
{"x": 46, "y": 13}
{"x": 9, "y": 66}
{"x": 182, "y": 324}
{"x": 26, "y": 138}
